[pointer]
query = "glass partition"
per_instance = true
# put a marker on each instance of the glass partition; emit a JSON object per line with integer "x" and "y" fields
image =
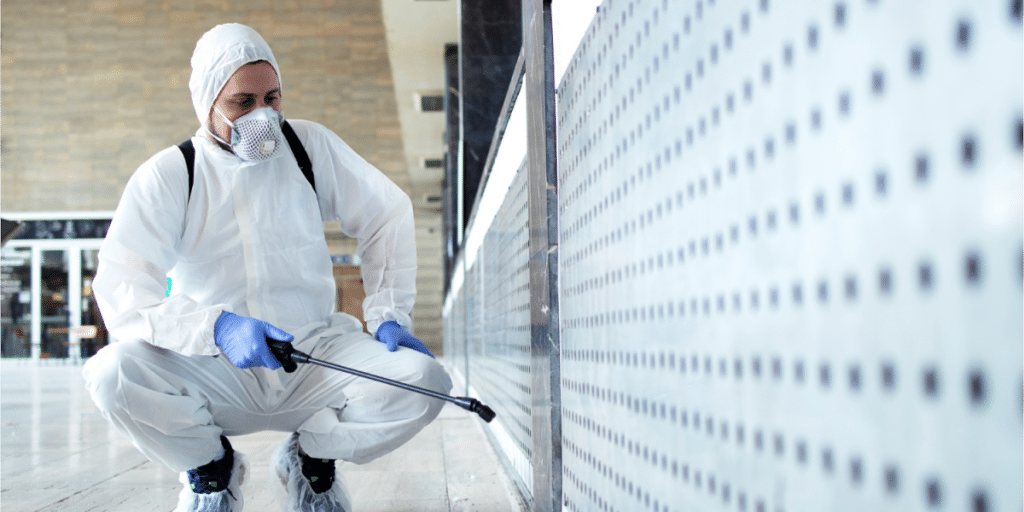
{"x": 15, "y": 322}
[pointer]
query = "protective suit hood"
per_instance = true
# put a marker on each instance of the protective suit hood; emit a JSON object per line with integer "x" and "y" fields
{"x": 218, "y": 54}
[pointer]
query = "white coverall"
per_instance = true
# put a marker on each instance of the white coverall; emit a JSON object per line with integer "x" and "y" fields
{"x": 250, "y": 240}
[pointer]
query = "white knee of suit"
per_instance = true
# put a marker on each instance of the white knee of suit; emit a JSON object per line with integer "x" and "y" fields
{"x": 155, "y": 411}
{"x": 429, "y": 374}
{"x": 355, "y": 433}
{"x": 102, "y": 373}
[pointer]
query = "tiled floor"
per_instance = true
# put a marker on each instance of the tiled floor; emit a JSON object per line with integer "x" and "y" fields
{"x": 58, "y": 453}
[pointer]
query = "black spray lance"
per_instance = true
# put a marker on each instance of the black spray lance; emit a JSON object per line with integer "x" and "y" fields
{"x": 288, "y": 356}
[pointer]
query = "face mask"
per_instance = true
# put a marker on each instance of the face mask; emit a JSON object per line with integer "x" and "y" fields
{"x": 255, "y": 136}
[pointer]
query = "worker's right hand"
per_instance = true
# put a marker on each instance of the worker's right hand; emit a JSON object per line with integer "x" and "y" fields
{"x": 244, "y": 340}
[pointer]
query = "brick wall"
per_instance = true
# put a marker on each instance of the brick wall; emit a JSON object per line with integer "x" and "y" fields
{"x": 91, "y": 89}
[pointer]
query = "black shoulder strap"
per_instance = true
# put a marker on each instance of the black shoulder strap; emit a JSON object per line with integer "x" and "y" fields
{"x": 300, "y": 153}
{"x": 189, "y": 152}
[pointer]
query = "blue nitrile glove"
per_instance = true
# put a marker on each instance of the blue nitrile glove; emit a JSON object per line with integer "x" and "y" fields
{"x": 392, "y": 335}
{"x": 244, "y": 340}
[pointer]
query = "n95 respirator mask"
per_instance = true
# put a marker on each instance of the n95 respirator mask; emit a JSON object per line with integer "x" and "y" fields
{"x": 256, "y": 136}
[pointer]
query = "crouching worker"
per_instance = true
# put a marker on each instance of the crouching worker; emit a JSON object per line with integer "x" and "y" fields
{"x": 241, "y": 234}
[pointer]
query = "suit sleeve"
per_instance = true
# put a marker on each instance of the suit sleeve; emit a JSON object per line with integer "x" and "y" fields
{"x": 139, "y": 250}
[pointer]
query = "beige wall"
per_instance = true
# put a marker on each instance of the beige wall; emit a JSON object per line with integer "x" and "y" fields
{"x": 91, "y": 89}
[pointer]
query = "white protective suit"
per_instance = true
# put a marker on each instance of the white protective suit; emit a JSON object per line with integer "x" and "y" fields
{"x": 250, "y": 240}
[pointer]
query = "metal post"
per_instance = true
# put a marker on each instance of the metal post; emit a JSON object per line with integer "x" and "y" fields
{"x": 74, "y": 255}
{"x": 538, "y": 86}
{"x": 37, "y": 304}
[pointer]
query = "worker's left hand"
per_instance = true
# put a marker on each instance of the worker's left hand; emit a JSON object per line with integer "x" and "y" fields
{"x": 392, "y": 335}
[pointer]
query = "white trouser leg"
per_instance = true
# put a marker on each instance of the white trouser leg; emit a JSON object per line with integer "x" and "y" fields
{"x": 172, "y": 407}
{"x": 376, "y": 418}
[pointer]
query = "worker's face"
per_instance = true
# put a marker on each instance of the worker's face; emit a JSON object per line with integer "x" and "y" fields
{"x": 251, "y": 87}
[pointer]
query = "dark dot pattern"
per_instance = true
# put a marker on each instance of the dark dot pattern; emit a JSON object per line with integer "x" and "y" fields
{"x": 753, "y": 273}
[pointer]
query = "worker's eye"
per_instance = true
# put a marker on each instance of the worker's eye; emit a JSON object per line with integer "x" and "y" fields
{"x": 271, "y": 98}
{"x": 246, "y": 103}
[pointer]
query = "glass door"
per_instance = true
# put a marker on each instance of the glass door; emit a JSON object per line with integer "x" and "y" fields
{"x": 55, "y": 327}
{"x": 16, "y": 309}
{"x": 49, "y": 311}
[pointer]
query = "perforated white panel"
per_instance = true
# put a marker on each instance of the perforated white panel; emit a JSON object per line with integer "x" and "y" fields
{"x": 501, "y": 371}
{"x": 488, "y": 325}
{"x": 791, "y": 256}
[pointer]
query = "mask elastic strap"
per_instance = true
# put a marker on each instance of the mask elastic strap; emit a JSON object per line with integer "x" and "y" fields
{"x": 224, "y": 117}
{"x": 226, "y": 120}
